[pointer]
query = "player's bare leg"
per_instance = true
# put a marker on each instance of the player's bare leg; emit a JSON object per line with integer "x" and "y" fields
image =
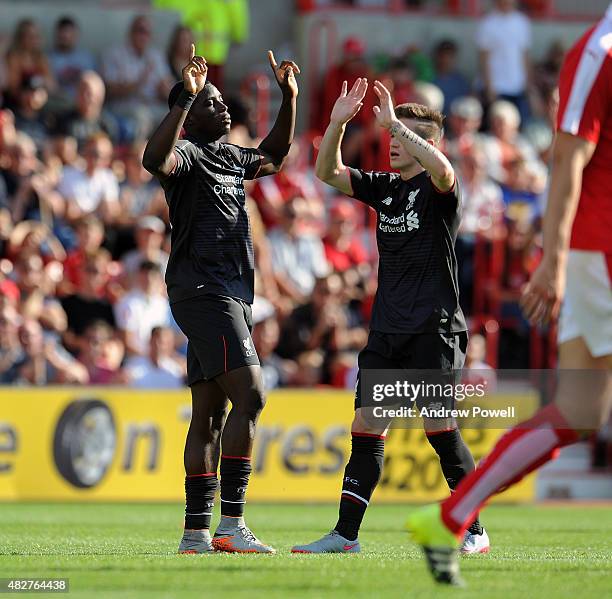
{"x": 244, "y": 387}
{"x": 201, "y": 458}
{"x": 593, "y": 411}
{"x": 583, "y": 402}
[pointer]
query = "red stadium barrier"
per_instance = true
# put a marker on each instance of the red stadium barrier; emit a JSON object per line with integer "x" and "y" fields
{"x": 323, "y": 34}
{"x": 536, "y": 9}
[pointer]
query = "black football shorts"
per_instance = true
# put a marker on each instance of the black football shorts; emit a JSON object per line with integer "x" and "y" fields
{"x": 444, "y": 352}
{"x": 218, "y": 330}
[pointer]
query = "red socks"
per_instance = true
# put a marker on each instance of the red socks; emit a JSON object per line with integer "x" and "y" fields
{"x": 517, "y": 453}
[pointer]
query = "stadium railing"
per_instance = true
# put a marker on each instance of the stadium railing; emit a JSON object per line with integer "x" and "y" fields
{"x": 538, "y": 9}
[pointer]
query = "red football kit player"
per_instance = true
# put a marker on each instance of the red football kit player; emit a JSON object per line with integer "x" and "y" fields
{"x": 577, "y": 263}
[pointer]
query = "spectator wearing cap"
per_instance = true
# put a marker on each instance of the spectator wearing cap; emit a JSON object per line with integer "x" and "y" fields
{"x": 343, "y": 249}
{"x": 25, "y": 58}
{"x": 142, "y": 308}
{"x": 93, "y": 189}
{"x": 448, "y": 77}
{"x": 298, "y": 256}
{"x": 87, "y": 118}
{"x": 68, "y": 61}
{"x": 150, "y": 234}
{"x": 504, "y": 40}
{"x": 137, "y": 81}
{"x": 161, "y": 367}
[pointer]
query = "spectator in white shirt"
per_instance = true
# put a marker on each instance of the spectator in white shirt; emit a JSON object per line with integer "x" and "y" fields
{"x": 94, "y": 189}
{"x": 503, "y": 39}
{"x": 143, "y": 308}
{"x": 298, "y": 257}
{"x": 137, "y": 81}
{"x": 162, "y": 368}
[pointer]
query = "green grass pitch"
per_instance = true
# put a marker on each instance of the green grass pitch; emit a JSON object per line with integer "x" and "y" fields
{"x": 128, "y": 551}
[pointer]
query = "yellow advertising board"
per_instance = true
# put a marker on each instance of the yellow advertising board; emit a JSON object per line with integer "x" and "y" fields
{"x": 104, "y": 444}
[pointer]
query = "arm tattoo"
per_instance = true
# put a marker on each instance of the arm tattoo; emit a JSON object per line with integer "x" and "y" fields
{"x": 400, "y": 129}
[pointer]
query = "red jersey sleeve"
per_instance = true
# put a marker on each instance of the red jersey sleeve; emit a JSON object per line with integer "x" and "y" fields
{"x": 585, "y": 88}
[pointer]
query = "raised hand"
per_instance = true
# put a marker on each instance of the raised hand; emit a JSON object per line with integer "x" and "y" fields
{"x": 194, "y": 73}
{"x": 348, "y": 104}
{"x": 385, "y": 113}
{"x": 285, "y": 74}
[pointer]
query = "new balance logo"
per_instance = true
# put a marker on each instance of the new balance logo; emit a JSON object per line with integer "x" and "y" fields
{"x": 412, "y": 220}
{"x": 248, "y": 348}
{"x": 412, "y": 197}
{"x": 387, "y": 201}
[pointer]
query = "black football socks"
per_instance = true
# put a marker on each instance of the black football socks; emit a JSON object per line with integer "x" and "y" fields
{"x": 200, "y": 492}
{"x": 361, "y": 476}
{"x": 455, "y": 460}
{"x": 235, "y": 472}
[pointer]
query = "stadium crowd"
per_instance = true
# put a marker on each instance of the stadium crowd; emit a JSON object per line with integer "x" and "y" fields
{"x": 84, "y": 232}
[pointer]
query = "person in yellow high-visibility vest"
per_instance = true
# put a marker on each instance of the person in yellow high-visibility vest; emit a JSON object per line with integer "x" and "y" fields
{"x": 216, "y": 25}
